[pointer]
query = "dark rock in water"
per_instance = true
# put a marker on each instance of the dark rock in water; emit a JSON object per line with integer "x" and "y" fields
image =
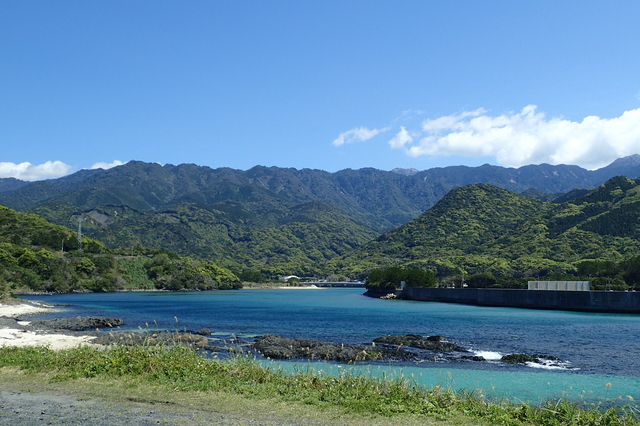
{"x": 204, "y": 332}
{"x": 518, "y": 358}
{"x": 76, "y": 324}
{"x": 524, "y": 358}
{"x": 472, "y": 358}
{"x": 432, "y": 343}
{"x": 282, "y": 348}
{"x": 152, "y": 339}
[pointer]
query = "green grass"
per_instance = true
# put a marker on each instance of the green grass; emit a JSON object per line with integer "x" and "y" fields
{"x": 181, "y": 369}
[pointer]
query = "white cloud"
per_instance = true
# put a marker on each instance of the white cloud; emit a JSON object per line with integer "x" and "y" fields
{"x": 525, "y": 137}
{"x": 358, "y": 134}
{"x": 107, "y": 166}
{"x": 449, "y": 122}
{"x": 401, "y": 139}
{"x": 29, "y": 172}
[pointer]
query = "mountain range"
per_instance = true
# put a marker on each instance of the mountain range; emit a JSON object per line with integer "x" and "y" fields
{"x": 278, "y": 220}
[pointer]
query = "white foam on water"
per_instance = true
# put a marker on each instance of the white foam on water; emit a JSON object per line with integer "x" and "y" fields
{"x": 548, "y": 364}
{"x": 544, "y": 366}
{"x": 488, "y": 355}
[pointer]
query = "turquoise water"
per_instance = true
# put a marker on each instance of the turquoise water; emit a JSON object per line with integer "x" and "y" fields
{"x": 600, "y": 351}
{"x": 515, "y": 386}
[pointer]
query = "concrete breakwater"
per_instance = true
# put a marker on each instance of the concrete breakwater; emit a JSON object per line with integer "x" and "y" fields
{"x": 582, "y": 301}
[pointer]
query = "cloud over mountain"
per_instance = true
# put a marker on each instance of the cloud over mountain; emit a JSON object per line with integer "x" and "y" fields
{"x": 29, "y": 172}
{"x": 525, "y": 137}
{"x": 107, "y": 166}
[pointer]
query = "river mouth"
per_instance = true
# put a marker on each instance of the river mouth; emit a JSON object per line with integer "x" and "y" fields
{"x": 594, "y": 349}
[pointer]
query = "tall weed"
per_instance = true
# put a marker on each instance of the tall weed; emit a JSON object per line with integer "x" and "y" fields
{"x": 181, "y": 368}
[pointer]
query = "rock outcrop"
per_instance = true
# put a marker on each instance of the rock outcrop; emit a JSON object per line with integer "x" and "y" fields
{"x": 277, "y": 347}
{"x": 525, "y": 358}
{"x": 432, "y": 343}
{"x": 76, "y": 323}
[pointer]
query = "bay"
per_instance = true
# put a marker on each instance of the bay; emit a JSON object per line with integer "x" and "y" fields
{"x": 600, "y": 351}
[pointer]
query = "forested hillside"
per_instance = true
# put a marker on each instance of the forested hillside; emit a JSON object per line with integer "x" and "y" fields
{"x": 484, "y": 229}
{"x": 38, "y": 256}
{"x": 278, "y": 242}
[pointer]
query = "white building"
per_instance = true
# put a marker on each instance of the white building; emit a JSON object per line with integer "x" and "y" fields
{"x": 560, "y": 285}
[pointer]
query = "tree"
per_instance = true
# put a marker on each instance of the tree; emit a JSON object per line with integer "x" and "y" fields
{"x": 253, "y": 276}
{"x": 390, "y": 279}
{"x": 419, "y": 278}
{"x": 293, "y": 282}
{"x": 481, "y": 280}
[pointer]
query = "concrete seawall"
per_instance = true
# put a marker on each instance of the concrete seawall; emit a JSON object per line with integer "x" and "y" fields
{"x": 583, "y": 301}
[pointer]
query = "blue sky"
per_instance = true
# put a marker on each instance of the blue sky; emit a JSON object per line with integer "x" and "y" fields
{"x": 316, "y": 84}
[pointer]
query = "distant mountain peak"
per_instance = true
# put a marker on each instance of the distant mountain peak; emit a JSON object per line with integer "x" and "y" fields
{"x": 404, "y": 172}
{"x": 628, "y": 161}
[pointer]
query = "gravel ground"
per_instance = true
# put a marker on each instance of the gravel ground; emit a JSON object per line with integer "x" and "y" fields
{"x": 22, "y": 408}
{"x": 38, "y": 409}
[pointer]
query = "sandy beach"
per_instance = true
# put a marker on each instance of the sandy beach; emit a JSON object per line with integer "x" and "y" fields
{"x": 16, "y": 337}
{"x": 21, "y": 337}
{"x": 17, "y": 308}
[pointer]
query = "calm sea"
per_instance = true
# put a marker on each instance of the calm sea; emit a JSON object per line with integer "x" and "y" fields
{"x": 601, "y": 352}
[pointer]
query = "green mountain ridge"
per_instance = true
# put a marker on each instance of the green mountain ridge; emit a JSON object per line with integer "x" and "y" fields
{"x": 282, "y": 221}
{"x": 378, "y": 199}
{"x": 481, "y": 228}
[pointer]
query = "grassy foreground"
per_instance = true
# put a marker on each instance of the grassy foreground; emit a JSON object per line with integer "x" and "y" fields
{"x": 180, "y": 370}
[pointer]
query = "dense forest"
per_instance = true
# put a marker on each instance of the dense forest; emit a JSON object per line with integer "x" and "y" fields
{"x": 37, "y": 256}
{"x": 489, "y": 237}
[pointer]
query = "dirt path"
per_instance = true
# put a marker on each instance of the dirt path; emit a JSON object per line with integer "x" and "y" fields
{"x": 34, "y": 399}
{"x": 43, "y": 409}
{"x": 23, "y": 408}
{"x": 26, "y": 408}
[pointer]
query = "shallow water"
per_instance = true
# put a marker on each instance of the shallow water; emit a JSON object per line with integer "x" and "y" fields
{"x": 600, "y": 351}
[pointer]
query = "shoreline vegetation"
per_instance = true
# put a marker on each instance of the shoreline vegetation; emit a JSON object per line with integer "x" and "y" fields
{"x": 145, "y": 367}
{"x": 245, "y": 286}
{"x": 180, "y": 369}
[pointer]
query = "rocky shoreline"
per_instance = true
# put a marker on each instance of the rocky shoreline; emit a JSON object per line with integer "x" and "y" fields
{"x": 391, "y": 348}
{"x": 410, "y": 348}
{"x": 61, "y": 333}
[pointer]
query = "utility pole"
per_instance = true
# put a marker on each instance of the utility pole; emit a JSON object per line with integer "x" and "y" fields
{"x": 80, "y": 220}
